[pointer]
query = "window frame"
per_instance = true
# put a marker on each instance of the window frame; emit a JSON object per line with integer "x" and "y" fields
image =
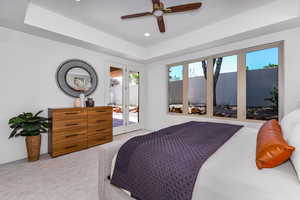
{"x": 241, "y": 82}
{"x": 187, "y": 89}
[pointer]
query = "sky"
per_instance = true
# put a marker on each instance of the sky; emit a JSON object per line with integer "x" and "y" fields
{"x": 254, "y": 60}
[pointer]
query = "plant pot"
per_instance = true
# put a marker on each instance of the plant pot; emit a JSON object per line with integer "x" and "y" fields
{"x": 33, "y": 145}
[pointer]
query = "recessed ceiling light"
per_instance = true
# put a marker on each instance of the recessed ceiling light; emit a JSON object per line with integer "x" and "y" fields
{"x": 77, "y": 0}
{"x": 147, "y": 34}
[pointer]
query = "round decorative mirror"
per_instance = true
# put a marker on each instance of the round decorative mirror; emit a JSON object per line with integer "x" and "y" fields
{"x": 75, "y": 77}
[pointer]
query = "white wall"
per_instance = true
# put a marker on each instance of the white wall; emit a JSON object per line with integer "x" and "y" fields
{"x": 29, "y": 63}
{"x": 157, "y": 116}
{"x": 27, "y": 81}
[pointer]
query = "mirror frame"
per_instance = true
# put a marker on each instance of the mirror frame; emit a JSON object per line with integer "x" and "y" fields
{"x": 65, "y": 67}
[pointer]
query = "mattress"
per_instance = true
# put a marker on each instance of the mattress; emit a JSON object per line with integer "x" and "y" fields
{"x": 231, "y": 174}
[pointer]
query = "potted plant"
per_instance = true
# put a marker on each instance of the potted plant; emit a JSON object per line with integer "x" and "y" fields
{"x": 29, "y": 126}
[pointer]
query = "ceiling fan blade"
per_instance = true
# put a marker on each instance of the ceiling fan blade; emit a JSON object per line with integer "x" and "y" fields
{"x": 183, "y": 8}
{"x": 161, "y": 24}
{"x": 136, "y": 15}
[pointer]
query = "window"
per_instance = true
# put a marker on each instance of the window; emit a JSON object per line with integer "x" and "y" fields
{"x": 262, "y": 84}
{"x": 242, "y": 84}
{"x": 197, "y": 88}
{"x": 176, "y": 89}
{"x": 225, "y": 86}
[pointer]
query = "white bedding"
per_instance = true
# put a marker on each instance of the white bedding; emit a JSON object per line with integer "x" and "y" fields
{"x": 231, "y": 174}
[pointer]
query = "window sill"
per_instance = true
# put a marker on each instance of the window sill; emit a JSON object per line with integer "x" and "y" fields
{"x": 221, "y": 119}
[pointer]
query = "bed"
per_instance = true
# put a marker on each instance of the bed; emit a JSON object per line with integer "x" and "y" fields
{"x": 229, "y": 174}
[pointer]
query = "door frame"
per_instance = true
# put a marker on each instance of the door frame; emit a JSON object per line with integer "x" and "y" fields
{"x": 125, "y": 97}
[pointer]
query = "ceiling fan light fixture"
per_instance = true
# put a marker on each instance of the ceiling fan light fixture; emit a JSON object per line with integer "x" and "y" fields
{"x": 158, "y": 13}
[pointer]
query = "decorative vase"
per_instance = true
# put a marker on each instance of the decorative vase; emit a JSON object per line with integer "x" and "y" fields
{"x": 90, "y": 102}
{"x": 33, "y": 145}
{"x": 77, "y": 103}
{"x": 82, "y": 100}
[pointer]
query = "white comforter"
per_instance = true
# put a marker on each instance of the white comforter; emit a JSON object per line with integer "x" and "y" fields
{"x": 231, "y": 174}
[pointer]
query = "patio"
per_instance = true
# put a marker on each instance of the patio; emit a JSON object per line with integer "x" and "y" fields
{"x": 119, "y": 121}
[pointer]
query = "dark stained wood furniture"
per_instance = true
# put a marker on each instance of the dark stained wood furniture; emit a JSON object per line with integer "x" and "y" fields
{"x": 74, "y": 129}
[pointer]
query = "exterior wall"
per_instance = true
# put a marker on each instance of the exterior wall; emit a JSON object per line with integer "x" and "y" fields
{"x": 116, "y": 95}
{"x": 259, "y": 85}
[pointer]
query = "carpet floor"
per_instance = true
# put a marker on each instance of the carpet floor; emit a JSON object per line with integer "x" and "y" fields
{"x": 70, "y": 177}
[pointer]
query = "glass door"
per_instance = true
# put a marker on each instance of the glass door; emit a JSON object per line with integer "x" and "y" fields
{"x": 116, "y": 96}
{"x": 124, "y": 94}
{"x": 133, "y": 98}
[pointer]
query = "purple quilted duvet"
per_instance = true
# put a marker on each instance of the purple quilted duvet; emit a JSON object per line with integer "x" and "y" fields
{"x": 164, "y": 165}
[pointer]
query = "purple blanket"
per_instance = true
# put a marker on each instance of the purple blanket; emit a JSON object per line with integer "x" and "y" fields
{"x": 164, "y": 165}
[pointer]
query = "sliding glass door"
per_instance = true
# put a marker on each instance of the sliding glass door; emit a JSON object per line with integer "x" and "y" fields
{"x": 124, "y": 94}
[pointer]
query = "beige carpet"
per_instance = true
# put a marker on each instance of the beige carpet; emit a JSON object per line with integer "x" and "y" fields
{"x": 70, "y": 177}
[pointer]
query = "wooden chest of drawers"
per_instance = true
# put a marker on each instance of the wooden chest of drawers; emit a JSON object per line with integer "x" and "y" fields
{"x": 74, "y": 129}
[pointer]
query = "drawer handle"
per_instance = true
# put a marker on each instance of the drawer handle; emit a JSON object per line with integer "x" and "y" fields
{"x": 99, "y": 130}
{"x": 104, "y": 138}
{"x": 99, "y": 121}
{"x": 72, "y": 113}
{"x": 70, "y": 147}
{"x": 73, "y": 135}
{"x": 71, "y": 124}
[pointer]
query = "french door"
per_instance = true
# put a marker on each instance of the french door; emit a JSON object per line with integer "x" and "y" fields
{"x": 124, "y": 91}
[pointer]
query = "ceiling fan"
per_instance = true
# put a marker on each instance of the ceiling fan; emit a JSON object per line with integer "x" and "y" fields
{"x": 159, "y": 10}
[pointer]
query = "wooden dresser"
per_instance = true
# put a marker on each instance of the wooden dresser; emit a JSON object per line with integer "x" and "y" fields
{"x": 74, "y": 129}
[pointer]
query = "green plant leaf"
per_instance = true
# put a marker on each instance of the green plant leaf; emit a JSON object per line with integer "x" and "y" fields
{"x": 38, "y": 113}
{"x": 14, "y": 132}
{"x": 27, "y": 124}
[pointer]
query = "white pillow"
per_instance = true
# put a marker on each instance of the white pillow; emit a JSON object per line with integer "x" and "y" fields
{"x": 294, "y": 140}
{"x": 289, "y": 122}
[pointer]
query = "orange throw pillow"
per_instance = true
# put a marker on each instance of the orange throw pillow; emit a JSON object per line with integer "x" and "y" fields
{"x": 271, "y": 149}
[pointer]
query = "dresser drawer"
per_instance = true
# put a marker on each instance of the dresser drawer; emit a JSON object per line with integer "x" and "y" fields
{"x": 67, "y": 135}
{"x": 70, "y": 114}
{"x": 104, "y": 131}
{"x": 95, "y": 120}
{"x": 68, "y": 147}
{"x": 97, "y": 124}
{"x": 97, "y": 127}
{"x": 103, "y": 116}
{"x": 98, "y": 139}
{"x": 105, "y": 112}
{"x": 74, "y": 124}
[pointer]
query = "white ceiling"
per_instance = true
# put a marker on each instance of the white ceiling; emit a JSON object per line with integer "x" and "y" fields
{"x": 105, "y": 16}
{"x": 83, "y": 24}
